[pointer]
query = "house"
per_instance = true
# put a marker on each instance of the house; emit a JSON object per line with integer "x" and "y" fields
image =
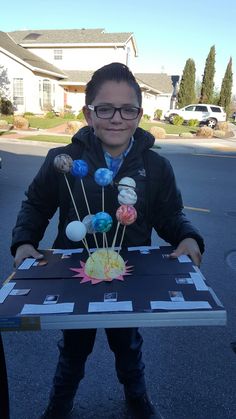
{"x": 49, "y": 69}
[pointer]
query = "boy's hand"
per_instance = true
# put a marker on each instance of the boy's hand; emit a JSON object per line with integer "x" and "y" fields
{"x": 26, "y": 251}
{"x": 188, "y": 247}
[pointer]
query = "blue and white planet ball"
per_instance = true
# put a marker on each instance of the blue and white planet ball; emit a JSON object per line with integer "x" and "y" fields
{"x": 103, "y": 176}
{"x": 79, "y": 168}
{"x": 102, "y": 222}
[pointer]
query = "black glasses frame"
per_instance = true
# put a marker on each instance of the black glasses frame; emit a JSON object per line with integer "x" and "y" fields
{"x": 95, "y": 109}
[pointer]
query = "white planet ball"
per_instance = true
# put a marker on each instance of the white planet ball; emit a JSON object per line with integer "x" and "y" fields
{"x": 76, "y": 231}
{"x": 127, "y": 197}
{"x": 126, "y": 182}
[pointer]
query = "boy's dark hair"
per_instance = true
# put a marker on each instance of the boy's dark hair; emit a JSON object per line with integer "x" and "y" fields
{"x": 111, "y": 72}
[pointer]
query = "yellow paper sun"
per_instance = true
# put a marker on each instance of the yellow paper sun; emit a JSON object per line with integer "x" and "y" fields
{"x": 102, "y": 265}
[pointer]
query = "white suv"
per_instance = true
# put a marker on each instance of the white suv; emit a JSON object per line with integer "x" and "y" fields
{"x": 209, "y": 114}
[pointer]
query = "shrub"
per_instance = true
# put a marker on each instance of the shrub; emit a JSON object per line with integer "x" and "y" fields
{"x": 158, "y": 132}
{"x": 146, "y": 117}
{"x": 68, "y": 115}
{"x": 3, "y": 124}
{"x": 28, "y": 114}
{"x": 20, "y": 122}
{"x": 158, "y": 114}
{"x": 193, "y": 123}
{"x": 205, "y": 132}
{"x": 178, "y": 120}
{"x": 50, "y": 115}
{"x": 186, "y": 135}
{"x": 73, "y": 126}
{"x": 223, "y": 126}
{"x": 80, "y": 116}
{"x": 6, "y": 107}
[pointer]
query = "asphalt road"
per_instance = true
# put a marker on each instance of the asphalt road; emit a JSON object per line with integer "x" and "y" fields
{"x": 190, "y": 371}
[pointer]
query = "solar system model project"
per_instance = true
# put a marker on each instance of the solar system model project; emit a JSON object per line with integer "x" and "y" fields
{"x": 104, "y": 264}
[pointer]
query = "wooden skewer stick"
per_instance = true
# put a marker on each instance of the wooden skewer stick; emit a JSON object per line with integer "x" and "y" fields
{"x": 72, "y": 198}
{"x": 122, "y": 237}
{"x": 88, "y": 208}
{"x": 114, "y": 240}
{"x": 106, "y": 244}
{"x": 84, "y": 241}
{"x": 85, "y": 196}
{"x": 103, "y": 204}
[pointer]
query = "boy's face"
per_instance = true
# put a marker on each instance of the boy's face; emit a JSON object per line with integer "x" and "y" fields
{"x": 115, "y": 133}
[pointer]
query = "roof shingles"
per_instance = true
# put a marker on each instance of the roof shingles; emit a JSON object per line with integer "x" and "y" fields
{"x": 30, "y": 59}
{"x": 69, "y": 36}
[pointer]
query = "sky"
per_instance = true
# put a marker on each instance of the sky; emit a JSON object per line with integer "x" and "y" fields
{"x": 167, "y": 33}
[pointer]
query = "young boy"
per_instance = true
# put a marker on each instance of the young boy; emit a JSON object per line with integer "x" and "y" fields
{"x": 112, "y": 139}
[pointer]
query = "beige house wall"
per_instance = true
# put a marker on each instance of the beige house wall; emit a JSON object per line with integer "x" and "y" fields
{"x": 79, "y": 58}
{"x": 31, "y": 82}
{"x": 86, "y": 58}
{"x": 152, "y": 102}
{"x": 30, "y": 91}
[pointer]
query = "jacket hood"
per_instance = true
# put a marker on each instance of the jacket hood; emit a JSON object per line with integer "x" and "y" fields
{"x": 143, "y": 139}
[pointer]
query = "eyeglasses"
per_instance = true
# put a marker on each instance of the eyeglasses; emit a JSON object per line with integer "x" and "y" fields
{"x": 107, "y": 112}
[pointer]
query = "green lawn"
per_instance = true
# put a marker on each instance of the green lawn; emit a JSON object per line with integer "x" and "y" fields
{"x": 38, "y": 122}
{"x": 49, "y": 138}
{"x": 45, "y": 123}
{"x": 169, "y": 128}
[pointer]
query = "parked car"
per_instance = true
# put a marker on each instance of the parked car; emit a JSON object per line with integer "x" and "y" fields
{"x": 205, "y": 113}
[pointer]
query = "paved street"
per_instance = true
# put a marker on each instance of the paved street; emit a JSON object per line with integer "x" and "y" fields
{"x": 190, "y": 371}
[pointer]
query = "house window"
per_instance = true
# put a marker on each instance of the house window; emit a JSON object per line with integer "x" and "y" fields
{"x": 18, "y": 91}
{"x": 45, "y": 94}
{"x": 57, "y": 54}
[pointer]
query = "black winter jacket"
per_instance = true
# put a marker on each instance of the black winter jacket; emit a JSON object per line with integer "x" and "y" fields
{"x": 159, "y": 203}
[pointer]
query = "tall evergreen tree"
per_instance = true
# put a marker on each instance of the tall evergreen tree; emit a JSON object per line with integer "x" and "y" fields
{"x": 207, "y": 89}
{"x": 186, "y": 94}
{"x": 226, "y": 88}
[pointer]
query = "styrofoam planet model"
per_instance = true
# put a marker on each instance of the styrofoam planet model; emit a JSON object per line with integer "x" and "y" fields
{"x": 87, "y": 221}
{"x": 79, "y": 168}
{"x": 127, "y": 196}
{"x": 63, "y": 163}
{"x": 102, "y": 222}
{"x": 126, "y": 182}
{"x": 103, "y": 176}
{"x": 126, "y": 214}
{"x": 105, "y": 264}
{"x": 76, "y": 231}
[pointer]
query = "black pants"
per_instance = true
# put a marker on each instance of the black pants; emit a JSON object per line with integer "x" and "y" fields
{"x": 74, "y": 349}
